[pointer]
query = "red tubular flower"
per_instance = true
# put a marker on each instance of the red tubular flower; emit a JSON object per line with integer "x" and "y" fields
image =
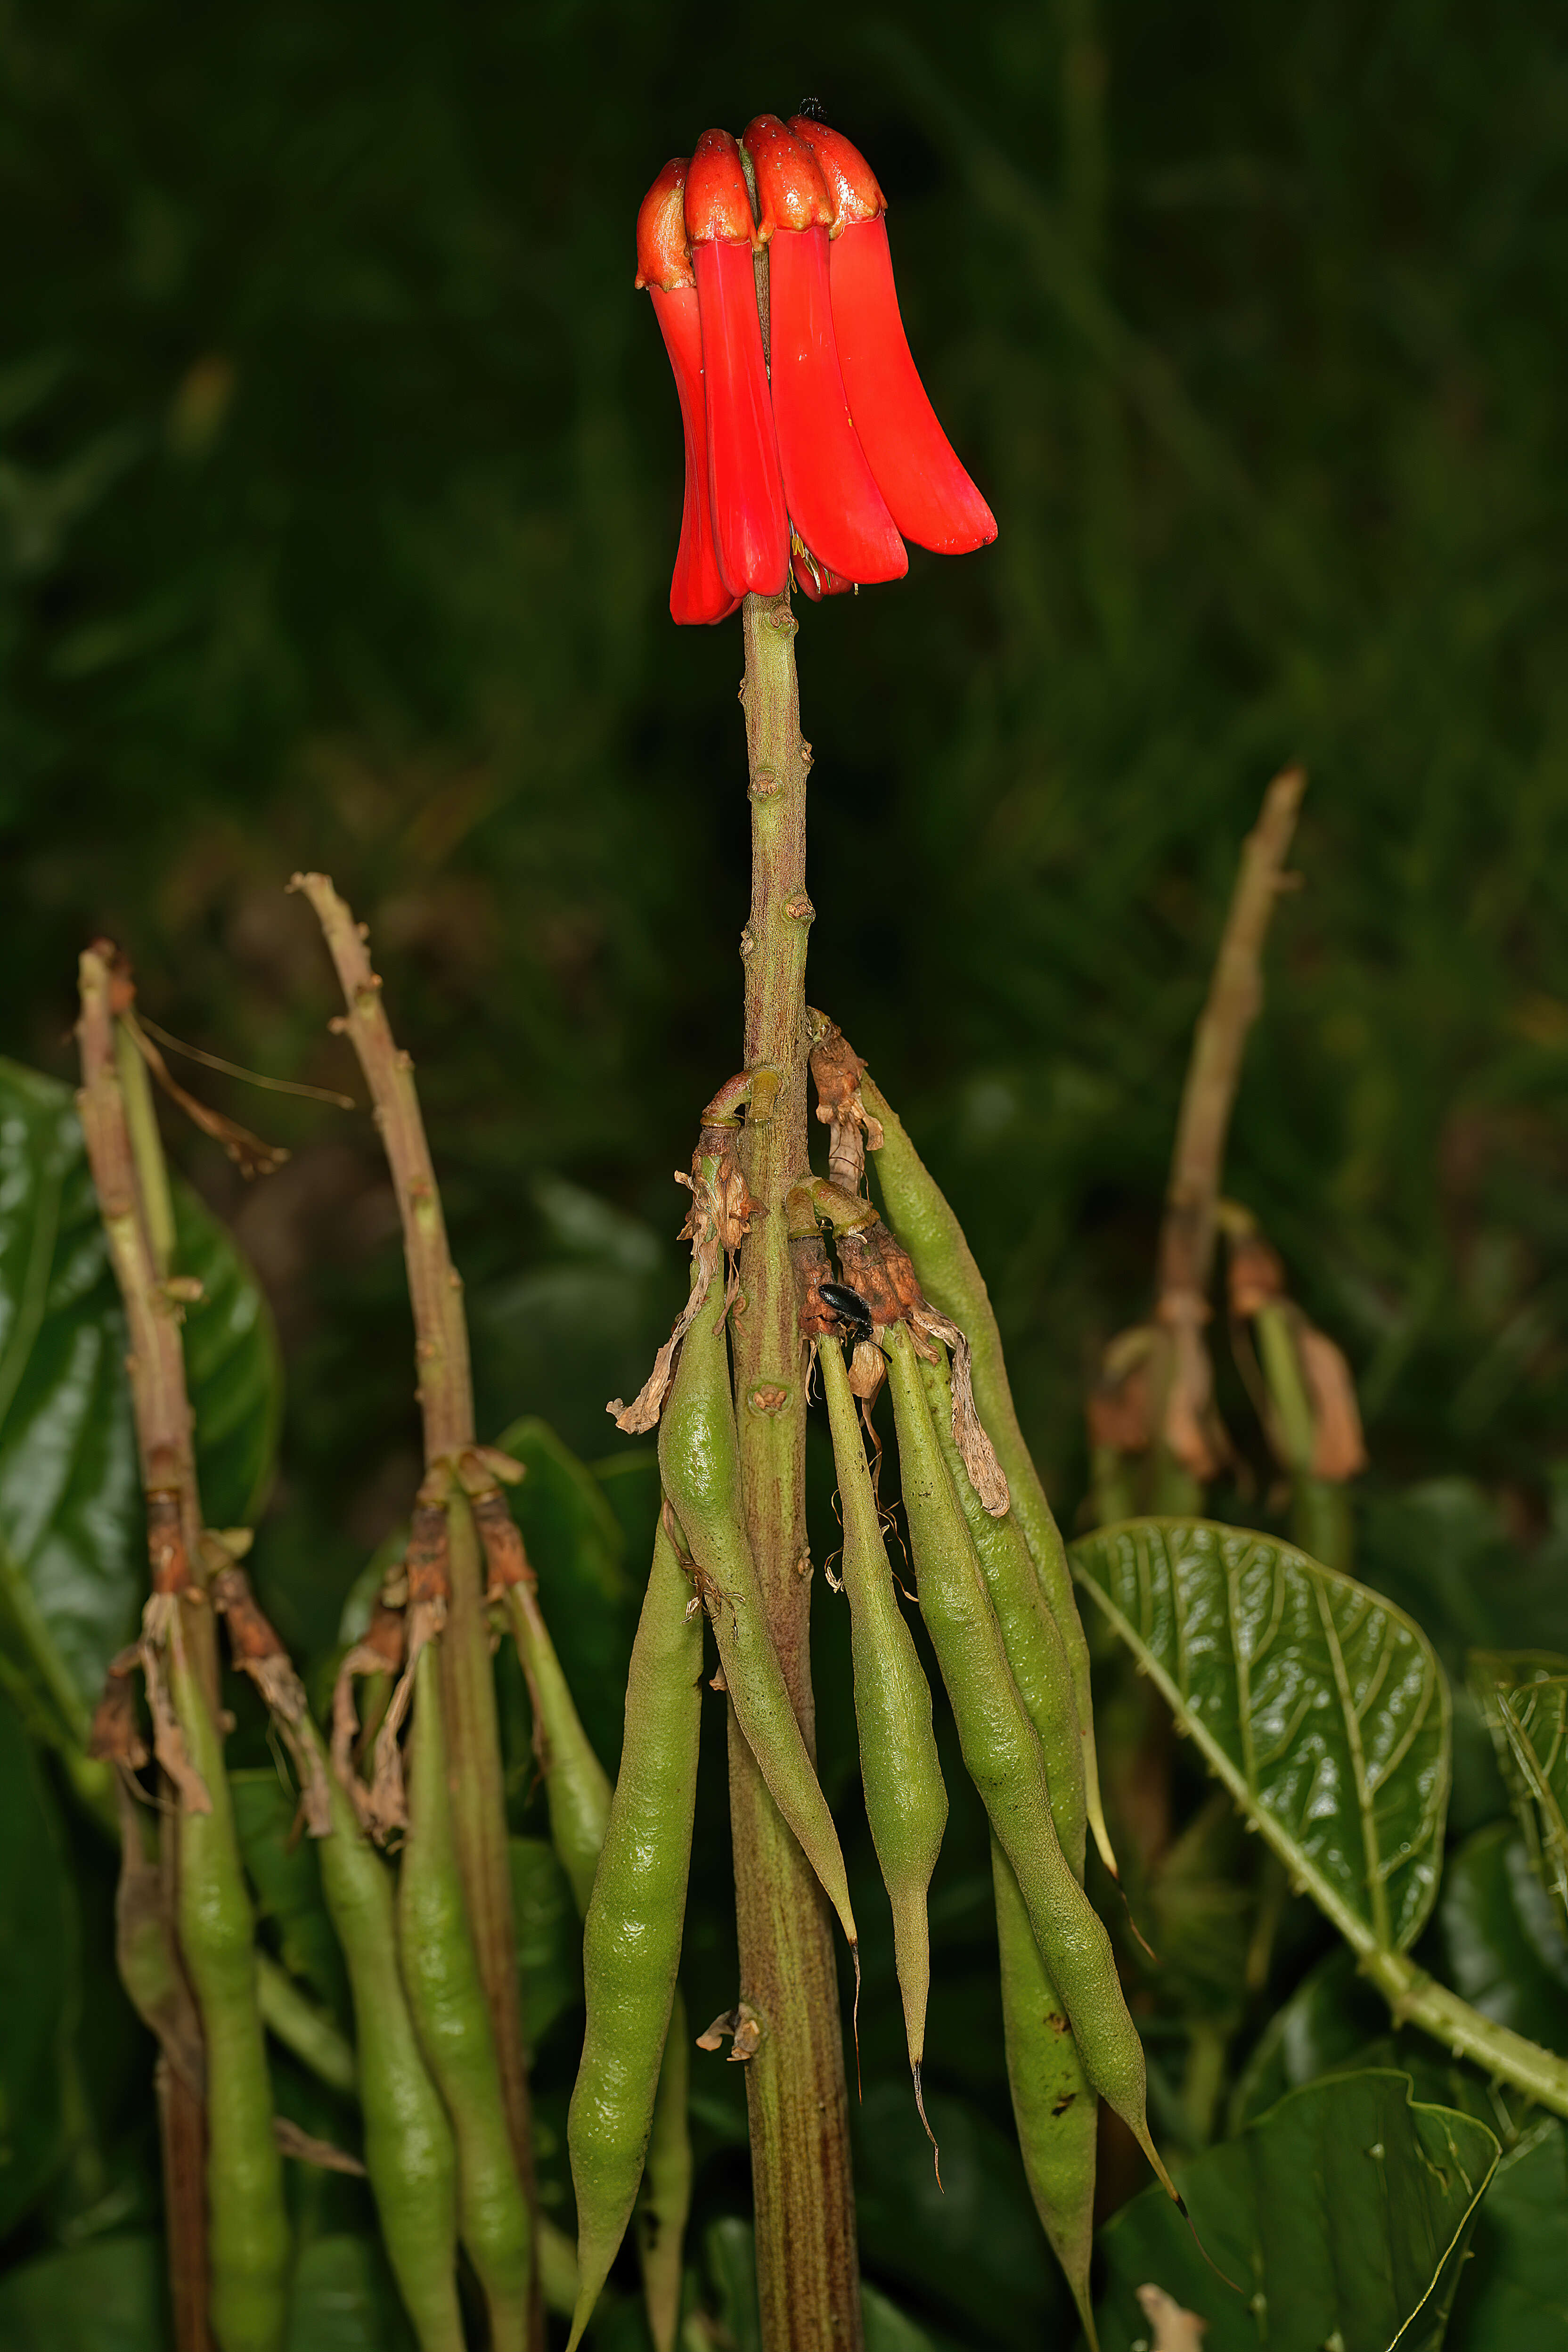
{"x": 750, "y": 527}
{"x": 931, "y": 498}
{"x": 834, "y": 502}
{"x": 696, "y": 590}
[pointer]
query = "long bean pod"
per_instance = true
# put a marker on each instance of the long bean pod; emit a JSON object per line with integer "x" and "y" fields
{"x": 906, "y": 1803}
{"x": 247, "y": 2229}
{"x": 1030, "y": 1635}
{"x": 699, "y": 1460}
{"x": 1054, "y": 2104}
{"x": 631, "y": 1943}
{"x": 578, "y": 1793}
{"x": 409, "y": 2152}
{"x": 922, "y": 1219}
{"x": 1003, "y": 1756}
{"x": 441, "y": 1976}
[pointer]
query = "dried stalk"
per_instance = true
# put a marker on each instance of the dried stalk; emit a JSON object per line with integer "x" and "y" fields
{"x": 134, "y": 1207}
{"x": 445, "y": 1393}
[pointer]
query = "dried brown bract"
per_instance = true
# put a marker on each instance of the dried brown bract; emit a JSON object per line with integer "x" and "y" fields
{"x": 116, "y": 1736}
{"x": 257, "y": 1651}
{"x": 836, "y": 1070}
{"x": 720, "y": 1204}
{"x": 379, "y": 1652}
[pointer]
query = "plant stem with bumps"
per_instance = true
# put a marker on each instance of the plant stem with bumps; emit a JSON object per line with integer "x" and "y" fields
{"x": 808, "y": 2265}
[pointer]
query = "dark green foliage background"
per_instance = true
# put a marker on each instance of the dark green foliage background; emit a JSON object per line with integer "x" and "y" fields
{"x": 339, "y": 484}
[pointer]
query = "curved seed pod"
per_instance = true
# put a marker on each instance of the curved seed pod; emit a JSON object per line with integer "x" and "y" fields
{"x": 441, "y": 1976}
{"x": 1053, "y": 2103}
{"x": 1002, "y": 1755}
{"x": 631, "y": 1943}
{"x": 248, "y": 2229}
{"x": 665, "y": 2198}
{"x": 578, "y": 1790}
{"x": 408, "y": 2149}
{"x": 699, "y": 1461}
{"x": 919, "y": 1214}
{"x": 906, "y": 1804}
{"x": 1030, "y": 1635}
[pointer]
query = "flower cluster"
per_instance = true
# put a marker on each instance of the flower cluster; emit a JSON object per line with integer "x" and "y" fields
{"x": 821, "y": 452}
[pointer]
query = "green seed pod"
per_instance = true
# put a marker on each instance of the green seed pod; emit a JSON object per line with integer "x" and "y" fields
{"x": 1002, "y": 1755}
{"x": 1030, "y": 1635}
{"x": 631, "y": 1944}
{"x": 248, "y": 2229}
{"x": 925, "y": 1224}
{"x": 579, "y": 1795}
{"x": 665, "y": 2198}
{"x": 408, "y": 2149}
{"x": 576, "y": 1786}
{"x": 699, "y": 1461}
{"x": 906, "y": 1804}
{"x": 1053, "y": 2103}
{"x": 441, "y": 1976}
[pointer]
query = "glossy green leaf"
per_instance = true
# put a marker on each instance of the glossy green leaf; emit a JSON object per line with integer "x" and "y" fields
{"x": 72, "y": 1555}
{"x": 1319, "y": 1705}
{"x": 1332, "y": 2015}
{"x": 1504, "y": 1948}
{"x": 1523, "y": 1697}
{"x": 1513, "y": 2295}
{"x": 1342, "y": 2215}
{"x": 107, "y": 2297}
{"x": 549, "y": 1936}
{"x": 1334, "y": 2024}
{"x": 38, "y": 1940}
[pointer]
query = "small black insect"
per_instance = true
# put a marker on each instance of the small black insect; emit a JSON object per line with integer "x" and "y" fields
{"x": 850, "y": 1309}
{"x": 812, "y": 109}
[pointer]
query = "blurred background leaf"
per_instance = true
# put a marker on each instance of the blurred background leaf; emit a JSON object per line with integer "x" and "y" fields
{"x": 1343, "y": 2210}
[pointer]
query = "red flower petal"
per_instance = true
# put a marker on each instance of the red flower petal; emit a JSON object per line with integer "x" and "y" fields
{"x": 931, "y": 498}
{"x": 850, "y": 181}
{"x": 696, "y": 590}
{"x": 718, "y": 202}
{"x": 662, "y": 256}
{"x": 750, "y": 527}
{"x": 830, "y": 489}
{"x": 791, "y": 190}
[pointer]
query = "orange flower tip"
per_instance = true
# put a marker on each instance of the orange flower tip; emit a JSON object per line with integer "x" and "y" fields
{"x": 663, "y": 256}
{"x": 851, "y": 184}
{"x": 791, "y": 190}
{"x": 718, "y": 202}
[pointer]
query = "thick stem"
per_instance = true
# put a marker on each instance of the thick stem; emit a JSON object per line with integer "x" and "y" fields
{"x": 1416, "y": 1999}
{"x": 808, "y": 2265}
{"x": 446, "y": 1399}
